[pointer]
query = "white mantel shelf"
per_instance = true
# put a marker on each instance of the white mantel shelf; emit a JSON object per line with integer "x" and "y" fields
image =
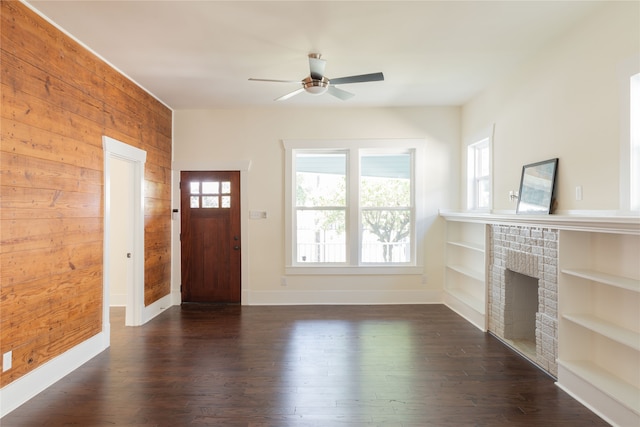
{"x": 592, "y": 223}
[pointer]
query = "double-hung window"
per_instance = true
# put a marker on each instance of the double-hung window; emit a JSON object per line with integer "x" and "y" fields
{"x": 352, "y": 205}
{"x": 479, "y": 175}
{"x": 634, "y": 142}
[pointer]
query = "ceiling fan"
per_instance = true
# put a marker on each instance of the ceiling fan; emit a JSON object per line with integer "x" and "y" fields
{"x": 317, "y": 83}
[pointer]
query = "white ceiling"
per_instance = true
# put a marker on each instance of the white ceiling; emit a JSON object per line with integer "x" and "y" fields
{"x": 200, "y": 54}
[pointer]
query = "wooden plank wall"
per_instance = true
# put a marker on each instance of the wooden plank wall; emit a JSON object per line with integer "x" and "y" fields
{"x": 58, "y": 100}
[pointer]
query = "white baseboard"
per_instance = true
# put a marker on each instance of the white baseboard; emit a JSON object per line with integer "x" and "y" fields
{"x": 290, "y": 297}
{"x": 596, "y": 400}
{"x": 468, "y": 313}
{"x": 152, "y": 310}
{"x": 28, "y": 386}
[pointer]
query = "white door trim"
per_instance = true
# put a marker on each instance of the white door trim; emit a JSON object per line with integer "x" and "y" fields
{"x": 135, "y": 297}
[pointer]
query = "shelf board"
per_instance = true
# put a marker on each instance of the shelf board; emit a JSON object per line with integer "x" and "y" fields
{"x": 589, "y": 221}
{"x": 623, "y": 392}
{"x": 468, "y": 299}
{"x": 607, "y": 329}
{"x": 469, "y": 272}
{"x": 604, "y": 278}
{"x": 468, "y": 245}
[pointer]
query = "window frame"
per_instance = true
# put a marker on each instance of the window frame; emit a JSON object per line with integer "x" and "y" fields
{"x": 634, "y": 143}
{"x": 629, "y": 165}
{"x": 354, "y": 149}
{"x": 473, "y": 178}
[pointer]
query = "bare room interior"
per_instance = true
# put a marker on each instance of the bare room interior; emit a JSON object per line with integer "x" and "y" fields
{"x": 318, "y": 213}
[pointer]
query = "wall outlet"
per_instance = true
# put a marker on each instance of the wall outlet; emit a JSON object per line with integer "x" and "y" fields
{"x": 424, "y": 279}
{"x": 7, "y": 360}
{"x": 579, "y": 192}
{"x": 283, "y": 281}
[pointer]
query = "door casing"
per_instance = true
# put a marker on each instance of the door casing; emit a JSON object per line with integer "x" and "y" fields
{"x": 135, "y": 294}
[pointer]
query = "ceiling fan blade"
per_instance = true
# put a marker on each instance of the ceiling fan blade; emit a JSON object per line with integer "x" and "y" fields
{"x": 277, "y": 81}
{"x": 316, "y": 66}
{"x": 339, "y": 93}
{"x": 290, "y": 94}
{"x": 373, "y": 77}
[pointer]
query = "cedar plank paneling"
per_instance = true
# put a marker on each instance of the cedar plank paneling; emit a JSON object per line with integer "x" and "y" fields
{"x": 32, "y": 234}
{"x": 38, "y": 351}
{"x": 42, "y": 85}
{"x": 58, "y": 314}
{"x": 24, "y": 171}
{"x": 24, "y": 266}
{"x": 20, "y": 138}
{"x": 38, "y": 113}
{"x": 18, "y": 202}
{"x": 57, "y": 101}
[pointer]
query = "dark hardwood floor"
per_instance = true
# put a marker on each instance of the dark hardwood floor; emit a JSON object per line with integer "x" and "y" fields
{"x": 419, "y": 365}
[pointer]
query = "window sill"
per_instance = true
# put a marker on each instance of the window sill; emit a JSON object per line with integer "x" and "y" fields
{"x": 355, "y": 270}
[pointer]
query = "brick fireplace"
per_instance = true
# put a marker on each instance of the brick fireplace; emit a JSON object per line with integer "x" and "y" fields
{"x": 523, "y": 291}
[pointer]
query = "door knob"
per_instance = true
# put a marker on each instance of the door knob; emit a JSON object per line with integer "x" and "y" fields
{"x": 236, "y": 248}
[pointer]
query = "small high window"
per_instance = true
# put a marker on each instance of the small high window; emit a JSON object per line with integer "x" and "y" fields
{"x": 479, "y": 175}
{"x": 634, "y": 132}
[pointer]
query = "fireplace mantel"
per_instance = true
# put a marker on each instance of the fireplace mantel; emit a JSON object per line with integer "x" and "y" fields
{"x": 579, "y": 222}
{"x": 587, "y": 323}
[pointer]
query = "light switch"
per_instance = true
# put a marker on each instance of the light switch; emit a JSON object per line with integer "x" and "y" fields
{"x": 257, "y": 215}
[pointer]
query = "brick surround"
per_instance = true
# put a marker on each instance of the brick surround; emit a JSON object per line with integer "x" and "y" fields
{"x": 531, "y": 251}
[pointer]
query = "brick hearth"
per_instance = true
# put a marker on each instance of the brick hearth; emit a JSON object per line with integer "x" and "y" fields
{"x": 533, "y": 252}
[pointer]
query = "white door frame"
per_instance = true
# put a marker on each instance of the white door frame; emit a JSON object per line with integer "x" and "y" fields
{"x": 135, "y": 292}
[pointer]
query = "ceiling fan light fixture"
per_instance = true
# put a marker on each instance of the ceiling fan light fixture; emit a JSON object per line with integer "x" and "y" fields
{"x": 314, "y": 86}
{"x": 317, "y": 84}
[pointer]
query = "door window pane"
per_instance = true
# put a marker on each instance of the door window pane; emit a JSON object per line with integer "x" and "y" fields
{"x": 226, "y": 187}
{"x": 194, "y": 201}
{"x": 194, "y": 187}
{"x": 226, "y": 201}
{"x": 210, "y": 187}
{"x": 210, "y": 201}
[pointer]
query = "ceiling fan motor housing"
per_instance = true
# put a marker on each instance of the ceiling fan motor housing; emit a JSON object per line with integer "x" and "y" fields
{"x": 315, "y": 86}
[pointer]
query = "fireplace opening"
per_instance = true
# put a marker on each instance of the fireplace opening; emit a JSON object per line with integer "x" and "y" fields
{"x": 521, "y": 306}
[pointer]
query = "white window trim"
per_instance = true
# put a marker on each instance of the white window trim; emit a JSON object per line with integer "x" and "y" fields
{"x": 627, "y": 70}
{"x": 472, "y": 196}
{"x": 419, "y": 147}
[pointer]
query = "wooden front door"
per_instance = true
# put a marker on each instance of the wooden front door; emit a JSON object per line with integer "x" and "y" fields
{"x": 210, "y": 236}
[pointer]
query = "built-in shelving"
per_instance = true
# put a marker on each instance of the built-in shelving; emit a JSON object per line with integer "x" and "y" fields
{"x": 598, "y": 299}
{"x": 607, "y": 329}
{"x": 465, "y": 272}
{"x": 607, "y": 279}
{"x": 599, "y": 325}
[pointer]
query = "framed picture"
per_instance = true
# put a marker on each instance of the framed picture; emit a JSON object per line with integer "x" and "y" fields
{"x": 537, "y": 187}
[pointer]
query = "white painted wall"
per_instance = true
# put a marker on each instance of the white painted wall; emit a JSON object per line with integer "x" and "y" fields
{"x": 235, "y": 135}
{"x": 566, "y": 102}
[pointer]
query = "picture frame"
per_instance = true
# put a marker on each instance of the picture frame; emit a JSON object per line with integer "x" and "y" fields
{"x": 537, "y": 188}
